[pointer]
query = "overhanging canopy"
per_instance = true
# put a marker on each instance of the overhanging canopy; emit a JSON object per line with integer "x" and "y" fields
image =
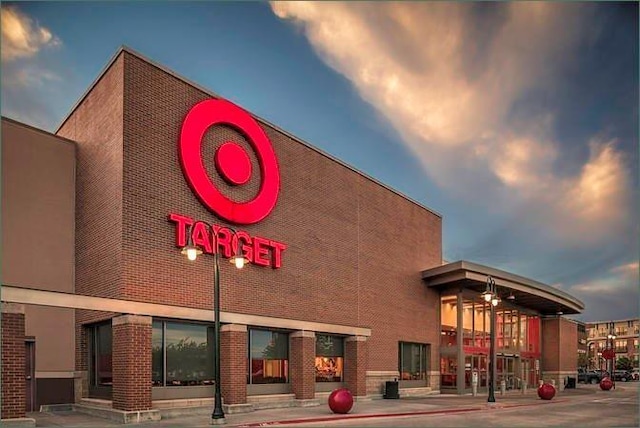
{"x": 528, "y": 293}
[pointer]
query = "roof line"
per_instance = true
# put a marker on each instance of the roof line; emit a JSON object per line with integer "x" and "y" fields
{"x": 498, "y": 273}
{"x": 127, "y": 49}
{"x": 40, "y": 130}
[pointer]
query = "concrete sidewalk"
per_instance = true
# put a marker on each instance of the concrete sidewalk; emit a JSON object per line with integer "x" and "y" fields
{"x": 363, "y": 410}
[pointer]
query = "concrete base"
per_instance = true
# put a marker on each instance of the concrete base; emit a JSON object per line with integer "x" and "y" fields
{"x": 312, "y": 402}
{"x": 121, "y": 416}
{"x": 220, "y": 421}
{"x": 18, "y": 422}
{"x": 232, "y": 409}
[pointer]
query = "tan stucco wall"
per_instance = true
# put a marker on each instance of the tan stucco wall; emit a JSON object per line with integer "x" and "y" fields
{"x": 38, "y": 223}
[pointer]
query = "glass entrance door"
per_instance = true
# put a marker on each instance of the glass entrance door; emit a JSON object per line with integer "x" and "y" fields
{"x": 506, "y": 371}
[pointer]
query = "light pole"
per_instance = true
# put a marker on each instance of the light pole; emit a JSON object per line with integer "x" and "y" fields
{"x": 490, "y": 295}
{"x": 612, "y": 365}
{"x": 192, "y": 252}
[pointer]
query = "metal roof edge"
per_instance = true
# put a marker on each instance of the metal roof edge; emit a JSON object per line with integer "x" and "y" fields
{"x": 490, "y": 271}
{"x": 39, "y": 130}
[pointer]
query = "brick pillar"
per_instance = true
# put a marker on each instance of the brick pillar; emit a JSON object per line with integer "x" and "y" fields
{"x": 355, "y": 365}
{"x": 13, "y": 362}
{"x": 302, "y": 368}
{"x": 233, "y": 363}
{"x": 131, "y": 362}
{"x": 559, "y": 350}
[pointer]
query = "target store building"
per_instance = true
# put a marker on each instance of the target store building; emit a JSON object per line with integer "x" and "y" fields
{"x": 345, "y": 284}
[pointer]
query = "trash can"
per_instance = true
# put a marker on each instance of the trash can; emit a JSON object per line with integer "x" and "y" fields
{"x": 571, "y": 383}
{"x": 391, "y": 390}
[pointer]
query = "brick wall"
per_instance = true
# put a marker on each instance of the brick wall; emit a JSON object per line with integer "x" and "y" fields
{"x": 13, "y": 362}
{"x": 302, "y": 364}
{"x": 131, "y": 362}
{"x": 233, "y": 363}
{"x": 568, "y": 349}
{"x": 355, "y": 248}
{"x": 551, "y": 344}
{"x": 355, "y": 365}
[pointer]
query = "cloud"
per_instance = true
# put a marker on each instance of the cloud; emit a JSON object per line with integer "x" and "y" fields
{"x": 30, "y": 78}
{"x": 454, "y": 80}
{"x": 21, "y": 36}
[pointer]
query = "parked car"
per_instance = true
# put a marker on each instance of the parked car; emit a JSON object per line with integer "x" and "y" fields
{"x": 591, "y": 376}
{"x": 622, "y": 375}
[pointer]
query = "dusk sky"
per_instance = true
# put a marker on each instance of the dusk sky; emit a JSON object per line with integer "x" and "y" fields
{"x": 518, "y": 122}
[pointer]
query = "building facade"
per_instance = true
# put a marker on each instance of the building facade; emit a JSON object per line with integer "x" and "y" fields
{"x": 626, "y": 342}
{"x": 345, "y": 287}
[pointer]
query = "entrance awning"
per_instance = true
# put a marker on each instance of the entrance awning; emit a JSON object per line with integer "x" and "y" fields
{"x": 545, "y": 299}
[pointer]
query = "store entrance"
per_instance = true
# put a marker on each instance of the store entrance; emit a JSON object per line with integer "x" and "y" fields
{"x": 507, "y": 370}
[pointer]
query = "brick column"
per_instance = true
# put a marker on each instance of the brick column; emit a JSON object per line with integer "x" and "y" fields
{"x": 355, "y": 365}
{"x": 233, "y": 363}
{"x": 131, "y": 360}
{"x": 559, "y": 350}
{"x": 13, "y": 362}
{"x": 302, "y": 368}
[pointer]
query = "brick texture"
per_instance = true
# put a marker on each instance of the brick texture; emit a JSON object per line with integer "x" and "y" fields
{"x": 302, "y": 366}
{"x": 355, "y": 366}
{"x": 355, "y": 248}
{"x": 233, "y": 366}
{"x": 131, "y": 366}
{"x": 13, "y": 366}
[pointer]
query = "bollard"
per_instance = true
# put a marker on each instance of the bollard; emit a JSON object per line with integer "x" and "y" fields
{"x": 540, "y": 383}
{"x": 524, "y": 387}
{"x": 503, "y": 387}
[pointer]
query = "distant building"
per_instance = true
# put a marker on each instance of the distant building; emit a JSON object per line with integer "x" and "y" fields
{"x": 625, "y": 343}
{"x": 583, "y": 357}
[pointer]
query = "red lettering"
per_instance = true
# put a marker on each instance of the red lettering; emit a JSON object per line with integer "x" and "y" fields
{"x": 214, "y": 238}
{"x": 200, "y": 237}
{"x": 260, "y": 248}
{"x": 246, "y": 248}
{"x": 223, "y": 238}
{"x": 181, "y": 228}
{"x": 278, "y": 248}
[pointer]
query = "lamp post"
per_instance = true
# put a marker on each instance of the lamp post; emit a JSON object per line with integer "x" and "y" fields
{"x": 612, "y": 365}
{"x": 192, "y": 252}
{"x": 490, "y": 295}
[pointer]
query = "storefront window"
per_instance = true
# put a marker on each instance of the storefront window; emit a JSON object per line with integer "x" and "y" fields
{"x": 448, "y": 371}
{"x": 269, "y": 357}
{"x": 329, "y": 358}
{"x": 449, "y": 322}
{"x": 101, "y": 354}
{"x": 413, "y": 361}
{"x": 182, "y": 354}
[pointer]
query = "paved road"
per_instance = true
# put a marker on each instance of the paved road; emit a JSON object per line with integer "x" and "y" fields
{"x": 618, "y": 409}
{"x": 586, "y": 406}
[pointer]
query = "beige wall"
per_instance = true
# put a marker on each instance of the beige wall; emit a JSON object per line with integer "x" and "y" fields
{"x": 38, "y": 212}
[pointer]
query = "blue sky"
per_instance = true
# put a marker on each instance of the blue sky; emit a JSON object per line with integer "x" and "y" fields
{"x": 518, "y": 122}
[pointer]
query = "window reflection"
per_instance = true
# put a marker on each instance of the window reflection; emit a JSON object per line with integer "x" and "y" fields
{"x": 182, "y": 354}
{"x": 329, "y": 361}
{"x": 269, "y": 357}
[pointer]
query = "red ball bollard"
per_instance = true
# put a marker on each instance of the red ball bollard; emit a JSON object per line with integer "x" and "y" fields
{"x": 546, "y": 391}
{"x": 606, "y": 384}
{"x": 341, "y": 401}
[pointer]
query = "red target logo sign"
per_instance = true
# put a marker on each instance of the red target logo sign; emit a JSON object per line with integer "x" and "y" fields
{"x": 231, "y": 160}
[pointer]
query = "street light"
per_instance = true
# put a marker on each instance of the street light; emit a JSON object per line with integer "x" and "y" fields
{"x": 612, "y": 366}
{"x": 491, "y": 295}
{"x": 192, "y": 252}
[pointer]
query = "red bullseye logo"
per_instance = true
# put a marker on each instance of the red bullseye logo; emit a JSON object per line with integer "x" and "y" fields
{"x": 231, "y": 160}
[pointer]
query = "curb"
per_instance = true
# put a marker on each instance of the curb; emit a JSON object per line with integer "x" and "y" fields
{"x": 394, "y": 415}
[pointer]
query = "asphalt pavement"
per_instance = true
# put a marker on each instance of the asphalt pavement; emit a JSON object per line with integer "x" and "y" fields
{"x": 586, "y": 405}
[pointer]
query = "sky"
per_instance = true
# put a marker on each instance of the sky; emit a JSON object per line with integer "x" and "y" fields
{"x": 518, "y": 122}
